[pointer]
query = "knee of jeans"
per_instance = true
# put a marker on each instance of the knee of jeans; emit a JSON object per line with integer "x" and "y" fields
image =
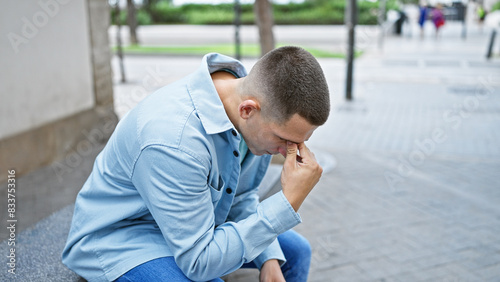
{"x": 306, "y": 248}
{"x": 303, "y": 247}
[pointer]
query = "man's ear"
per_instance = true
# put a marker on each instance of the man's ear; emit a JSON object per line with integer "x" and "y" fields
{"x": 248, "y": 108}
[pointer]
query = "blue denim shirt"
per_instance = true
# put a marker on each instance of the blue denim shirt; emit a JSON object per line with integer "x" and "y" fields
{"x": 169, "y": 183}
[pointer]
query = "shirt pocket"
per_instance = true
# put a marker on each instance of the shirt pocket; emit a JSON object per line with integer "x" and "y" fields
{"x": 216, "y": 188}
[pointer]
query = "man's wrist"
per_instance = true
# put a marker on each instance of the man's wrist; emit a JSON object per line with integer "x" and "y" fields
{"x": 294, "y": 201}
{"x": 279, "y": 213}
{"x": 271, "y": 271}
{"x": 271, "y": 261}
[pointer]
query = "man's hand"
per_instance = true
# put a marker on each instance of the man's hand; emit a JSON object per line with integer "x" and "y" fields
{"x": 300, "y": 174}
{"x": 271, "y": 272}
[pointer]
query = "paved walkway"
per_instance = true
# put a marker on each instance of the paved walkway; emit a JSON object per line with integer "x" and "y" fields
{"x": 414, "y": 194}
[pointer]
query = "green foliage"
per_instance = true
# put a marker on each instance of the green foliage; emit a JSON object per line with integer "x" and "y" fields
{"x": 123, "y": 17}
{"x": 213, "y": 17}
{"x": 250, "y": 50}
{"x": 496, "y": 6}
{"x": 416, "y": 2}
{"x": 165, "y": 13}
{"x": 308, "y": 12}
{"x": 312, "y": 16}
{"x": 143, "y": 18}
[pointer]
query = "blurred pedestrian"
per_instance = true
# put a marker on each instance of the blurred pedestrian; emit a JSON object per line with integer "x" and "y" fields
{"x": 437, "y": 17}
{"x": 422, "y": 18}
{"x": 481, "y": 15}
{"x": 399, "y": 22}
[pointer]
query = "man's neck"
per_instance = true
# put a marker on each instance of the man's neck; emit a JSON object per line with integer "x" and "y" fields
{"x": 228, "y": 88}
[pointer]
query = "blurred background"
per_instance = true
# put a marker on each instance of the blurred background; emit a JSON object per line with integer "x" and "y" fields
{"x": 411, "y": 150}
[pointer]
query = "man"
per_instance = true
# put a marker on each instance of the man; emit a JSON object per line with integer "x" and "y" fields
{"x": 172, "y": 195}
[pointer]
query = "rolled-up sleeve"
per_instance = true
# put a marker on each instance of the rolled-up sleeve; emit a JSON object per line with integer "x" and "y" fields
{"x": 244, "y": 205}
{"x": 173, "y": 184}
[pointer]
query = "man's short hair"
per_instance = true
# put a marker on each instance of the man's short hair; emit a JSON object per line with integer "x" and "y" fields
{"x": 290, "y": 81}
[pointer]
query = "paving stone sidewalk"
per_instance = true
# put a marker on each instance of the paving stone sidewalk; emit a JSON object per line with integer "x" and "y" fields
{"x": 415, "y": 194}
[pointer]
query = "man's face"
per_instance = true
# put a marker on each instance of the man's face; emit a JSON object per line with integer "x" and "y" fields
{"x": 265, "y": 137}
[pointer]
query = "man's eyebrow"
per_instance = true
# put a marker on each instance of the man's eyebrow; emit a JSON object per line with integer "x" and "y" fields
{"x": 290, "y": 140}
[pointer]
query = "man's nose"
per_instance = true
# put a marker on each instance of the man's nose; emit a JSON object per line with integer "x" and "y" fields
{"x": 282, "y": 151}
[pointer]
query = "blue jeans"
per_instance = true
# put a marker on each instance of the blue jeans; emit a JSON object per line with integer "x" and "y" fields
{"x": 295, "y": 247}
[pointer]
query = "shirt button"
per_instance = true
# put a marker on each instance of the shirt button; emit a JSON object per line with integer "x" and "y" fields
{"x": 229, "y": 190}
{"x": 234, "y": 132}
{"x": 236, "y": 154}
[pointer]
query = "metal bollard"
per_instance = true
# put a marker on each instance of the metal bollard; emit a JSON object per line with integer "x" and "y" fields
{"x": 490, "y": 46}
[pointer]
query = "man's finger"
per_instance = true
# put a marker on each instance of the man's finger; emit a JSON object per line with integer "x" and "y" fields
{"x": 303, "y": 150}
{"x": 291, "y": 152}
{"x": 305, "y": 153}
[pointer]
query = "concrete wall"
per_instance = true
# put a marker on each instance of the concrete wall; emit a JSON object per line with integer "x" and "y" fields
{"x": 55, "y": 79}
{"x": 46, "y": 65}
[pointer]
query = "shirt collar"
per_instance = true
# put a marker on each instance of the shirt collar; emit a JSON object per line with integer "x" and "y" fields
{"x": 204, "y": 95}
